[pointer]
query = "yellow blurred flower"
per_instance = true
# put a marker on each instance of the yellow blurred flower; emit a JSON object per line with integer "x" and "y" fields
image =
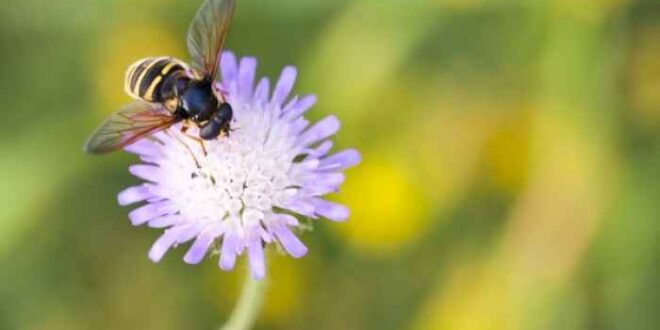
{"x": 473, "y": 297}
{"x": 286, "y": 284}
{"x": 387, "y": 209}
{"x": 285, "y": 287}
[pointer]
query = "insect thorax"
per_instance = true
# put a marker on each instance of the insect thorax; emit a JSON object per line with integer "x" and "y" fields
{"x": 199, "y": 100}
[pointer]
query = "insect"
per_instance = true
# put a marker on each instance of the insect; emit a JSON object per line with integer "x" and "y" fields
{"x": 167, "y": 91}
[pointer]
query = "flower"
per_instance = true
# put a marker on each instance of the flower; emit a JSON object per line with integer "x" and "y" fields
{"x": 243, "y": 191}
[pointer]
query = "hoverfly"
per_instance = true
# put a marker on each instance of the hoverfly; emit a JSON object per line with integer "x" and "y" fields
{"x": 167, "y": 91}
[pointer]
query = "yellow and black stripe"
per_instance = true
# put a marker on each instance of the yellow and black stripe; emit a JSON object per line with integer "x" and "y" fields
{"x": 145, "y": 77}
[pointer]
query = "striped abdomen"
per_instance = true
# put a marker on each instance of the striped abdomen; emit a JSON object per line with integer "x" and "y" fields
{"x": 151, "y": 79}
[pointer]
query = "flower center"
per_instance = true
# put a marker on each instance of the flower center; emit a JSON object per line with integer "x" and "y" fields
{"x": 239, "y": 175}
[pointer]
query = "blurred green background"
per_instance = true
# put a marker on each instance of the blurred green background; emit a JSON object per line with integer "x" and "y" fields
{"x": 510, "y": 175}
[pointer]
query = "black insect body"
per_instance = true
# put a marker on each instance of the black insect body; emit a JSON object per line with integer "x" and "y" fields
{"x": 168, "y": 91}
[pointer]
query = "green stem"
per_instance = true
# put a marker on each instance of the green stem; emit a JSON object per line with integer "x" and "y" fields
{"x": 248, "y": 306}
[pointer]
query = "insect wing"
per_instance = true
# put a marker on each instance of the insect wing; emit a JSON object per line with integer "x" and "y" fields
{"x": 207, "y": 34}
{"x": 130, "y": 123}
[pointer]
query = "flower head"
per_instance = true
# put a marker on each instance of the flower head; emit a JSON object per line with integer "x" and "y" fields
{"x": 243, "y": 191}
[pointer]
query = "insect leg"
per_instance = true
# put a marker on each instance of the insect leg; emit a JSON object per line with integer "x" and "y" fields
{"x": 185, "y": 145}
{"x": 184, "y": 130}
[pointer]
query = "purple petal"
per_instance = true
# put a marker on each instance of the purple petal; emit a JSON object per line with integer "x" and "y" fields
{"x": 165, "y": 221}
{"x": 228, "y": 67}
{"x": 159, "y": 190}
{"x": 290, "y": 242}
{"x": 156, "y": 199}
{"x": 246, "y": 71}
{"x": 134, "y": 194}
{"x": 287, "y": 219}
{"x": 187, "y": 233}
{"x": 262, "y": 90}
{"x": 304, "y": 104}
{"x": 298, "y": 125}
{"x": 165, "y": 139}
{"x": 289, "y": 105}
{"x": 145, "y": 172}
{"x": 161, "y": 134}
{"x": 228, "y": 252}
{"x": 307, "y": 165}
{"x": 319, "y": 151}
{"x": 266, "y": 237}
{"x": 324, "y": 179}
{"x": 300, "y": 207}
{"x": 147, "y": 212}
{"x": 284, "y": 85}
{"x": 319, "y": 190}
{"x": 143, "y": 148}
{"x": 198, "y": 249}
{"x": 340, "y": 161}
{"x": 321, "y": 130}
{"x": 256, "y": 259}
{"x": 162, "y": 244}
{"x": 330, "y": 210}
{"x": 150, "y": 159}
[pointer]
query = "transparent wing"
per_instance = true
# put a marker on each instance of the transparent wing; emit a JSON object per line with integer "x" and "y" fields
{"x": 207, "y": 33}
{"x": 130, "y": 123}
